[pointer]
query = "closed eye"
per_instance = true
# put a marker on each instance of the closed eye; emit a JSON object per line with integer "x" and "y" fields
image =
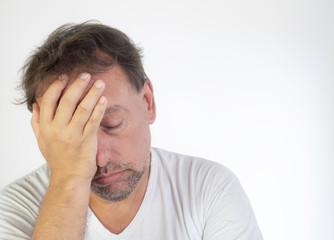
{"x": 113, "y": 127}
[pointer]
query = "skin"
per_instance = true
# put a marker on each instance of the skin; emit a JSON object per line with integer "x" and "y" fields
{"x": 98, "y": 134}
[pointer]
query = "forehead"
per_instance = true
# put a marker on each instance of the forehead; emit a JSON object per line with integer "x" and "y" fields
{"x": 112, "y": 76}
{"x": 114, "y": 72}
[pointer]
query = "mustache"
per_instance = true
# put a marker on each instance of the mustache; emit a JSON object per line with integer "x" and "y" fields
{"x": 111, "y": 167}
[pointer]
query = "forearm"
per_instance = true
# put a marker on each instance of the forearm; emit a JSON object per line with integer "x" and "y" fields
{"x": 63, "y": 214}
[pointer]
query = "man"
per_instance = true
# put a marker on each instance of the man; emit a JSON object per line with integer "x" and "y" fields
{"x": 92, "y": 106}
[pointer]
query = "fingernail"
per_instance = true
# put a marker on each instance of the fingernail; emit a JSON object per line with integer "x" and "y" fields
{"x": 84, "y": 76}
{"x": 103, "y": 99}
{"x": 99, "y": 84}
{"x": 34, "y": 107}
{"x": 61, "y": 77}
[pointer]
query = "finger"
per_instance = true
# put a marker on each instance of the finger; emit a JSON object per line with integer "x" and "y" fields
{"x": 86, "y": 106}
{"x": 70, "y": 99}
{"x": 50, "y": 99}
{"x": 95, "y": 119}
{"x": 35, "y": 119}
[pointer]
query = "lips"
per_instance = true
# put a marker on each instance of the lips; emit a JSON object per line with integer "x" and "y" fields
{"x": 110, "y": 178}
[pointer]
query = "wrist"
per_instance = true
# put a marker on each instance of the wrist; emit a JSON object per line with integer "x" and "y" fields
{"x": 69, "y": 184}
{"x": 74, "y": 179}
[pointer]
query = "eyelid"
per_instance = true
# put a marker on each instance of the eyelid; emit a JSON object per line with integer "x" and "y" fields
{"x": 114, "y": 127}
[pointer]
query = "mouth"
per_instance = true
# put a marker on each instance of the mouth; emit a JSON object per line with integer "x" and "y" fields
{"x": 110, "y": 178}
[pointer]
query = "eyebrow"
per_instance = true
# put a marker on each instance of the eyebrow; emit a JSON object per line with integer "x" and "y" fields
{"x": 114, "y": 108}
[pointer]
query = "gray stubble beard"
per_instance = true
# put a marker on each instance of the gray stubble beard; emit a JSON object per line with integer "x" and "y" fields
{"x": 113, "y": 193}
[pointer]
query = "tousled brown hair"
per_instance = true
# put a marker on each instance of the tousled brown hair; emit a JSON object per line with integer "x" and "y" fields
{"x": 73, "y": 48}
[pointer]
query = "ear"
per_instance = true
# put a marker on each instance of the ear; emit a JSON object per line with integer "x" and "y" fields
{"x": 148, "y": 97}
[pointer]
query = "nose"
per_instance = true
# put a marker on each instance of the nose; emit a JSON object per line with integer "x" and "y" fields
{"x": 103, "y": 151}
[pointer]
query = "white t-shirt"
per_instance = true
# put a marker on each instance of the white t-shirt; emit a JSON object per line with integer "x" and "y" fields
{"x": 186, "y": 198}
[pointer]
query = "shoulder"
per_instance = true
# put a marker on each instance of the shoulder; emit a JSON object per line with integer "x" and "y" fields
{"x": 32, "y": 184}
{"x": 210, "y": 194}
{"x": 192, "y": 176}
{"x": 192, "y": 167}
{"x": 20, "y": 202}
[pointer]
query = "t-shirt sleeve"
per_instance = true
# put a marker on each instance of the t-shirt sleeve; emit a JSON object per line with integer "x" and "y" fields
{"x": 20, "y": 203}
{"x": 16, "y": 221}
{"x": 229, "y": 213}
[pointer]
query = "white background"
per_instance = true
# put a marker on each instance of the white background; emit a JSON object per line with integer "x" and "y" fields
{"x": 246, "y": 83}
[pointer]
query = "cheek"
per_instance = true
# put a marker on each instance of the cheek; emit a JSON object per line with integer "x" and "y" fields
{"x": 137, "y": 143}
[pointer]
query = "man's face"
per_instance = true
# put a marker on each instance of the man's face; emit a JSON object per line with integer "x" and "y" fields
{"x": 123, "y": 150}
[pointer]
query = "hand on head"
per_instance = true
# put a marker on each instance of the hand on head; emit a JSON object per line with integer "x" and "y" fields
{"x": 66, "y": 126}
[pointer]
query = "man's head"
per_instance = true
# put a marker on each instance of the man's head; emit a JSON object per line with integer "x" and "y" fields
{"x": 72, "y": 49}
{"x": 123, "y": 139}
